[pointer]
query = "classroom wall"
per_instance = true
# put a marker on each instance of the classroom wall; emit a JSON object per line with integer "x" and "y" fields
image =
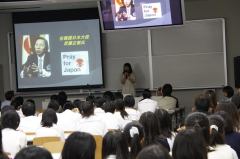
{"x": 195, "y": 9}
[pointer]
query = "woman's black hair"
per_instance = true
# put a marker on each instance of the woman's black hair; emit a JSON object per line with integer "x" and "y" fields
{"x": 53, "y": 104}
{"x": 79, "y": 145}
{"x": 151, "y": 128}
{"x": 202, "y": 103}
{"x": 227, "y": 120}
{"x": 109, "y": 107}
{"x": 199, "y": 122}
{"x": 146, "y": 94}
{"x": 153, "y": 152}
{"x": 165, "y": 122}
{"x": 134, "y": 133}
{"x": 119, "y": 105}
{"x": 10, "y": 119}
{"x": 231, "y": 109}
{"x": 68, "y": 105}
{"x": 78, "y": 104}
{"x": 167, "y": 90}
{"x": 216, "y": 130}
{"x": 87, "y": 109}
{"x": 90, "y": 98}
{"x": 118, "y": 95}
{"x": 62, "y": 98}
{"x": 129, "y": 101}
{"x": 189, "y": 144}
{"x": 33, "y": 152}
{"x": 108, "y": 96}
{"x": 213, "y": 98}
{"x": 99, "y": 101}
{"x": 17, "y": 102}
{"x": 49, "y": 117}
{"x": 228, "y": 90}
{"x": 129, "y": 67}
{"x": 115, "y": 143}
{"x": 28, "y": 108}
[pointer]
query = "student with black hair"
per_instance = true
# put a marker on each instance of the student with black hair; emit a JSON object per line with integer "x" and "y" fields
{"x": 213, "y": 99}
{"x": 134, "y": 134}
{"x": 79, "y": 145}
{"x": 91, "y": 123}
{"x": 62, "y": 98}
{"x": 30, "y": 122}
{"x": 48, "y": 125}
{"x": 68, "y": 118}
{"x": 17, "y": 102}
{"x": 115, "y": 146}
{"x": 189, "y": 144}
{"x": 231, "y": 109}
{"x": 110, "y": 120}
{"x": 152, "y": 133}
{"x": 199, "y": 122}
{"x": 53, "y": 104}
{"x": 165, "y": 126}
{"x": 147, "y": 104}
{"x": 232, "y": 137}
{"x": 108, "y": 96}
{"x": 98, "y": 103}
{"x": 129, "y": 102}
{"x": 228, "y": 92}
{"x": 220, "y": 149}
{"x": 33, "y": 152}
{"x": 7, "y": 108}
{"x": 118, "y": 95}
{"x": 202, "y": 104}
{"x": 167, "y": 101}
{"x": 12, "y": 139}
{"x": 78, "y": 104}
{"x": 120, "y": 112}
{"x": 90, "y": 98}
{"x": 154, "y": 152}
{"x": 9, "y": 95}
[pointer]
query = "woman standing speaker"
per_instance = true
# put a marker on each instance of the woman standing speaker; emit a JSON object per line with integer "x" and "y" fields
{"x": 128, "y": 80}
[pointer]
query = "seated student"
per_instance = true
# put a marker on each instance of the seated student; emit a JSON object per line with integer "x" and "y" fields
{"x": 79, "y": 145}
{"x": 228, "y": 92}
{"x": 134, "y": 134}
{"x": 30, "y": 122}
{"x": 108, "y": 96}
{"x": 48, "y": 125}
{"x": 7, "y": 108}
{"x": 213, "y": 99}
{"x": 98, "y": 102}
{"x": 118, "y": 95}
{"x": 129, "y": 102}
{"x": 220, "y": 149}
{"x": 77, "y": 103}
{"x": 154, "y": 152}
{"x": 108, "y": 118}
{"x": 120, "y": 113}
{"x": 165, "y": 126}
{"x": 8, "y": 98}
{"x": 12, "y": 140}
{"x": 167, "y": 101}
{"x": 152, "y": 134}
{"x": 62, "y": 98}
{"x": 3, "y": 155}
{"x": 147, "y": 104}
{"x": 232, "y": 137}
{"x": 17, "y": 102}
{"x": 114, "y": 146}
{"x": 33, "y": 152}
{"x": 189, "y": 144}
{"x": 67, "y": 119}
{"x": 91, "y": 123}
{"x": 202, "y": 104}
{"x": 231, "y": 109}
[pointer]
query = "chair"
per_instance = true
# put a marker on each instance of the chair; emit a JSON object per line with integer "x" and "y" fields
{"x": 39, "y": 141}
{"x": 54, "y": 147}
{"x": 98, "y": 151}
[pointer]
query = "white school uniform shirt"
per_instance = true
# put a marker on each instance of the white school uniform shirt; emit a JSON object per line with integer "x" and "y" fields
{"x": 111, "y": 157}
{"x": 29, "y": 123}
{"x": 68, "y": 119}
{"x": 123, "y": 121}
{"x": 133, "y": 114}
{"x": 99, "y": 111}
{"x": 92, "y": 125}
{"x": 111, "y": 121}
{"x": 146, "y": 105}
{"x": 13, "y": 141}
{"x": 53, "y": 131}
{"x": 222, "y": 152}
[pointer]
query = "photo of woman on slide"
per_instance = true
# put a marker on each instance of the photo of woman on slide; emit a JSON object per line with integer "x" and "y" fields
{"x": 126, "y": 11}
{"x": 38, "y": 61}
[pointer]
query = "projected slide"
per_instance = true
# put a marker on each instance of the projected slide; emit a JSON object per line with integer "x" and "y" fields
{"x": 58, "y": 54}
{"x": 119, "y": 14}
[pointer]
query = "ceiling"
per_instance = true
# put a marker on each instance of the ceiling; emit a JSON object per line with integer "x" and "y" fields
{"x": 36, "y": 5}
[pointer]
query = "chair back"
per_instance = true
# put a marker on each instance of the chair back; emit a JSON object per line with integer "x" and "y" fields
{"x": 39, "y": 141}
{"x": 98, "y": 151}
{"x": 54, "y": 147}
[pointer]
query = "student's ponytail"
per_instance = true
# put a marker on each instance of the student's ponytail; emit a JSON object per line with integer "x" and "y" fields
{"x": 216, "y": 130}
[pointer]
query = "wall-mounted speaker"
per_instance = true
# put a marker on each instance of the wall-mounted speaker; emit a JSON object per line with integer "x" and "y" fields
{"x": 237, "y": 71}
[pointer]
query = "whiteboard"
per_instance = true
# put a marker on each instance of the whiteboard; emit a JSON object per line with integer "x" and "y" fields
{"x": 190, "y": 56}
